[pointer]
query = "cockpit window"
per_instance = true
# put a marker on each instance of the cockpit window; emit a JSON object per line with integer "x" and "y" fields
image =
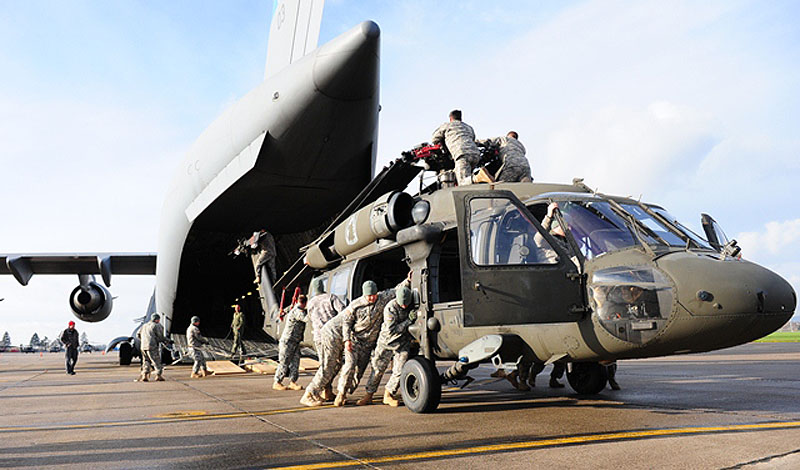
{"x": 699, "y": 241}
{"x": 501, "y": 234}
{"x": 598, "y": 229}
{"x": 654, "y": 226}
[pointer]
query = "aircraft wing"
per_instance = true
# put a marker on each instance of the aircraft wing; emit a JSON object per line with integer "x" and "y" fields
{"x": 24, "y": 266}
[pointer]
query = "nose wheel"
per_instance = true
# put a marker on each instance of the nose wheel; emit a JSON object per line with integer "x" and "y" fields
{"x": 587, "y": 378}
{"x": 420, "y": 385}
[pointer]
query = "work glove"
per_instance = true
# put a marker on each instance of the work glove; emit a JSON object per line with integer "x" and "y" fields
{"x": 412, "y": 316}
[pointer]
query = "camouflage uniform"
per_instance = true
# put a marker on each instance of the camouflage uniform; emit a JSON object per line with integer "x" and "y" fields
{"x": 264, "y": 254}
{"x": 394, "y": 343}
{"x": 321, "y": 308}
{"x": 459, "y": 138}
{"x": 195, "y": 341}
{"x": 151, "y": 335}
{"x": 238, "y": 336}
{"x": 330, "y": 356}
{"x": 289, "y": 346}
{"x": 515, "y": 167}
{"x": 362, "y": 326}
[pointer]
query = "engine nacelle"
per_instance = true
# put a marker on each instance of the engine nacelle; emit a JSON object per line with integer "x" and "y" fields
{"x": 91, "y": 302}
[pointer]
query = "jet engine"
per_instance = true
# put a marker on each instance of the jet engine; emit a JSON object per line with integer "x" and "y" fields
{"x": 90, "y": 301}
{"x": 381, "y": 219}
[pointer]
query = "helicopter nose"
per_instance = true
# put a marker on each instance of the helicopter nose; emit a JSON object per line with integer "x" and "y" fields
{"x": 740, "y": 300}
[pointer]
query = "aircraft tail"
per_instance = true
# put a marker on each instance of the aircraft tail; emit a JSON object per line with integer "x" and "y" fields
{"x": 294, "y": 32}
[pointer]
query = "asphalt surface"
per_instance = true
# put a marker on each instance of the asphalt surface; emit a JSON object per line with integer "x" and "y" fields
{"x": 736, "y": 408}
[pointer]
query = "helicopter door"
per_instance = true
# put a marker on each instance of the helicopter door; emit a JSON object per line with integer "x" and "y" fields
{"x": 512, "y": 271}
{"x": 716, "y": 237}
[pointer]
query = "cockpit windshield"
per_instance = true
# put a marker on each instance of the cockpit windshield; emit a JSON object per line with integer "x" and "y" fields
{"x": 600, "y": 226}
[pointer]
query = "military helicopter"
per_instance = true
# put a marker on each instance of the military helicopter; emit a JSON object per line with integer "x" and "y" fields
{"x": 540, "y": 272}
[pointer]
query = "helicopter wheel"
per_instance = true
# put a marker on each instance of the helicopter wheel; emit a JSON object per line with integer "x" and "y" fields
{"x": 420, "y": 385}
{"x": 587, "y": 378}
{"x": 125, "y": 353}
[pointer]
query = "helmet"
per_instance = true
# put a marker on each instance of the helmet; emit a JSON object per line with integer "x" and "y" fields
{"x": 155, "y": 317}
{"x": 403, "y": 295}
{"x": 369, "y": 288}
{"x": 195, "y": 319}
{"x": 317, "y": 287}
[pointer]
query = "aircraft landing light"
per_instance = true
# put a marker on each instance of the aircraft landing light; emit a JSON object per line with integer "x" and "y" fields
{"x": 555, "y": 442}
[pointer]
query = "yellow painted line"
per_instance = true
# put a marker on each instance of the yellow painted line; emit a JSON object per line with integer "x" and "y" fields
{"x": 161, "y": 419}
{"x": 562, "y": 441}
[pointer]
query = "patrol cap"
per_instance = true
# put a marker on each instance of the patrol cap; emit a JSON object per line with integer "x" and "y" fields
{"x": 403, "y": 295}
{"x": 156, "y": 316}
{"x": 369, "y": 288}
{"x": 555, "y": 224}
{"x": 195, "y": 319}
{"x": 317, "y": 287}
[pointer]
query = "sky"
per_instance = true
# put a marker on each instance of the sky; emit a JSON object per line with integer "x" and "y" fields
{"x": 691, "y": 105}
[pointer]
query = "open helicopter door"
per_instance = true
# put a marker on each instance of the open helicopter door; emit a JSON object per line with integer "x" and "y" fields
{"x": 512, "y": 271}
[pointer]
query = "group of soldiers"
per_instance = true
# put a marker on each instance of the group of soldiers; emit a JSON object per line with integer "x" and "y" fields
{"x": 371, "y": 330}
{"x": 459, "y": 139}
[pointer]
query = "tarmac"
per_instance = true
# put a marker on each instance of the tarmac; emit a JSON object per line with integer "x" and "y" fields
{"x": 736, "y": 408}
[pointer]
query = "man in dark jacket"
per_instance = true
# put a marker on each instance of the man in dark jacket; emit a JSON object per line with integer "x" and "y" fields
{"x": 70, "y": 338}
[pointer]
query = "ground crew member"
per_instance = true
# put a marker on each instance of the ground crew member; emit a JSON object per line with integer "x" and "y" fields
{"x": 237, "y": 327}
{"x": 289, "y": 346}
{"x": 151, "y": 336}
{"x": 330, "y": 361}
{"x": 263, "y": 253}
{"x": 321, "y": 308}
{"x": 70, "y": 338}
{"x": 514, "y": 167}
{"x": 361, "y": 326}
{"x": 459, "y": 139}
{"x": 394, "y": 343}
{"x": 195, "y": 340}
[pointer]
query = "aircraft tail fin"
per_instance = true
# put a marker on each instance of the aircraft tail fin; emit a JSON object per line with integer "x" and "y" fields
{"x": 294, "y": 32}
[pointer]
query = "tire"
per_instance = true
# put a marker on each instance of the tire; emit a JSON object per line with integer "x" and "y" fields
{"x": 125, "y": 353}
{"x": 420, "y": 385}
{"x": 587, "y": 378}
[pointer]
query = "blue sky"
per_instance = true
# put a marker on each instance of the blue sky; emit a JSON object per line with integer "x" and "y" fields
{"x": 693, "y": 105}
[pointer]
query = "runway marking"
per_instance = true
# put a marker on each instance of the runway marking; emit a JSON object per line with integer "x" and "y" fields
{"x": 556, "y": 442}
{"x": 176, "y": 417}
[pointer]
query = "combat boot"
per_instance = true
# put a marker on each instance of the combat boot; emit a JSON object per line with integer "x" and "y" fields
{"x": 613, "y": 383}
{"x": 340, "y": 399}
{"x": 327, "y": 394}
{"x": 294, "y": 386}
{"x": 554, "y": 383}
{"x": 388, "y": 399}
{"x": 143, "y": 378}
{"x": 310, "y": 400}
{"x": 365, "y": 400}
{"x": 512, "y": 378}
{"x": 159, "y": 378}
{"x": 196, "y": 375}
{"x": 498, "y": 374}
{"x": 278, "y": 386}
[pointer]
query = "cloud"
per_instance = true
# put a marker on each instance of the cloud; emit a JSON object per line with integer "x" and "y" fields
{"x": 776, "y": 239}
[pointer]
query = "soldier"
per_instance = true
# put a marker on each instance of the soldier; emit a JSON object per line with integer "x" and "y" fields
{"x": 263, "y": 253}
{"x": 330, "y": 361}
{"x": 514, "y": 167}
{"x": 459, "y": 138}
{"x": 394, "y": 343}
{"x": 195, "y": 340}
{"x": 151, "y": 336}
{"x": 237, "y": 325}
{"x": 321, "y": 308}
{"x": 361, "y": 325}
{"x": 70, "y": 339}
{"x": 611, "y": 372}
{"x": 289, "y": 347}
{"x": 528, "y": 372}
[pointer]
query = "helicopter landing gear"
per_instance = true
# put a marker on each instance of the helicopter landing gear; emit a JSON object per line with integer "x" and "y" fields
{"x": 420, "y": 385}
{"x": 587, "y": 378}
